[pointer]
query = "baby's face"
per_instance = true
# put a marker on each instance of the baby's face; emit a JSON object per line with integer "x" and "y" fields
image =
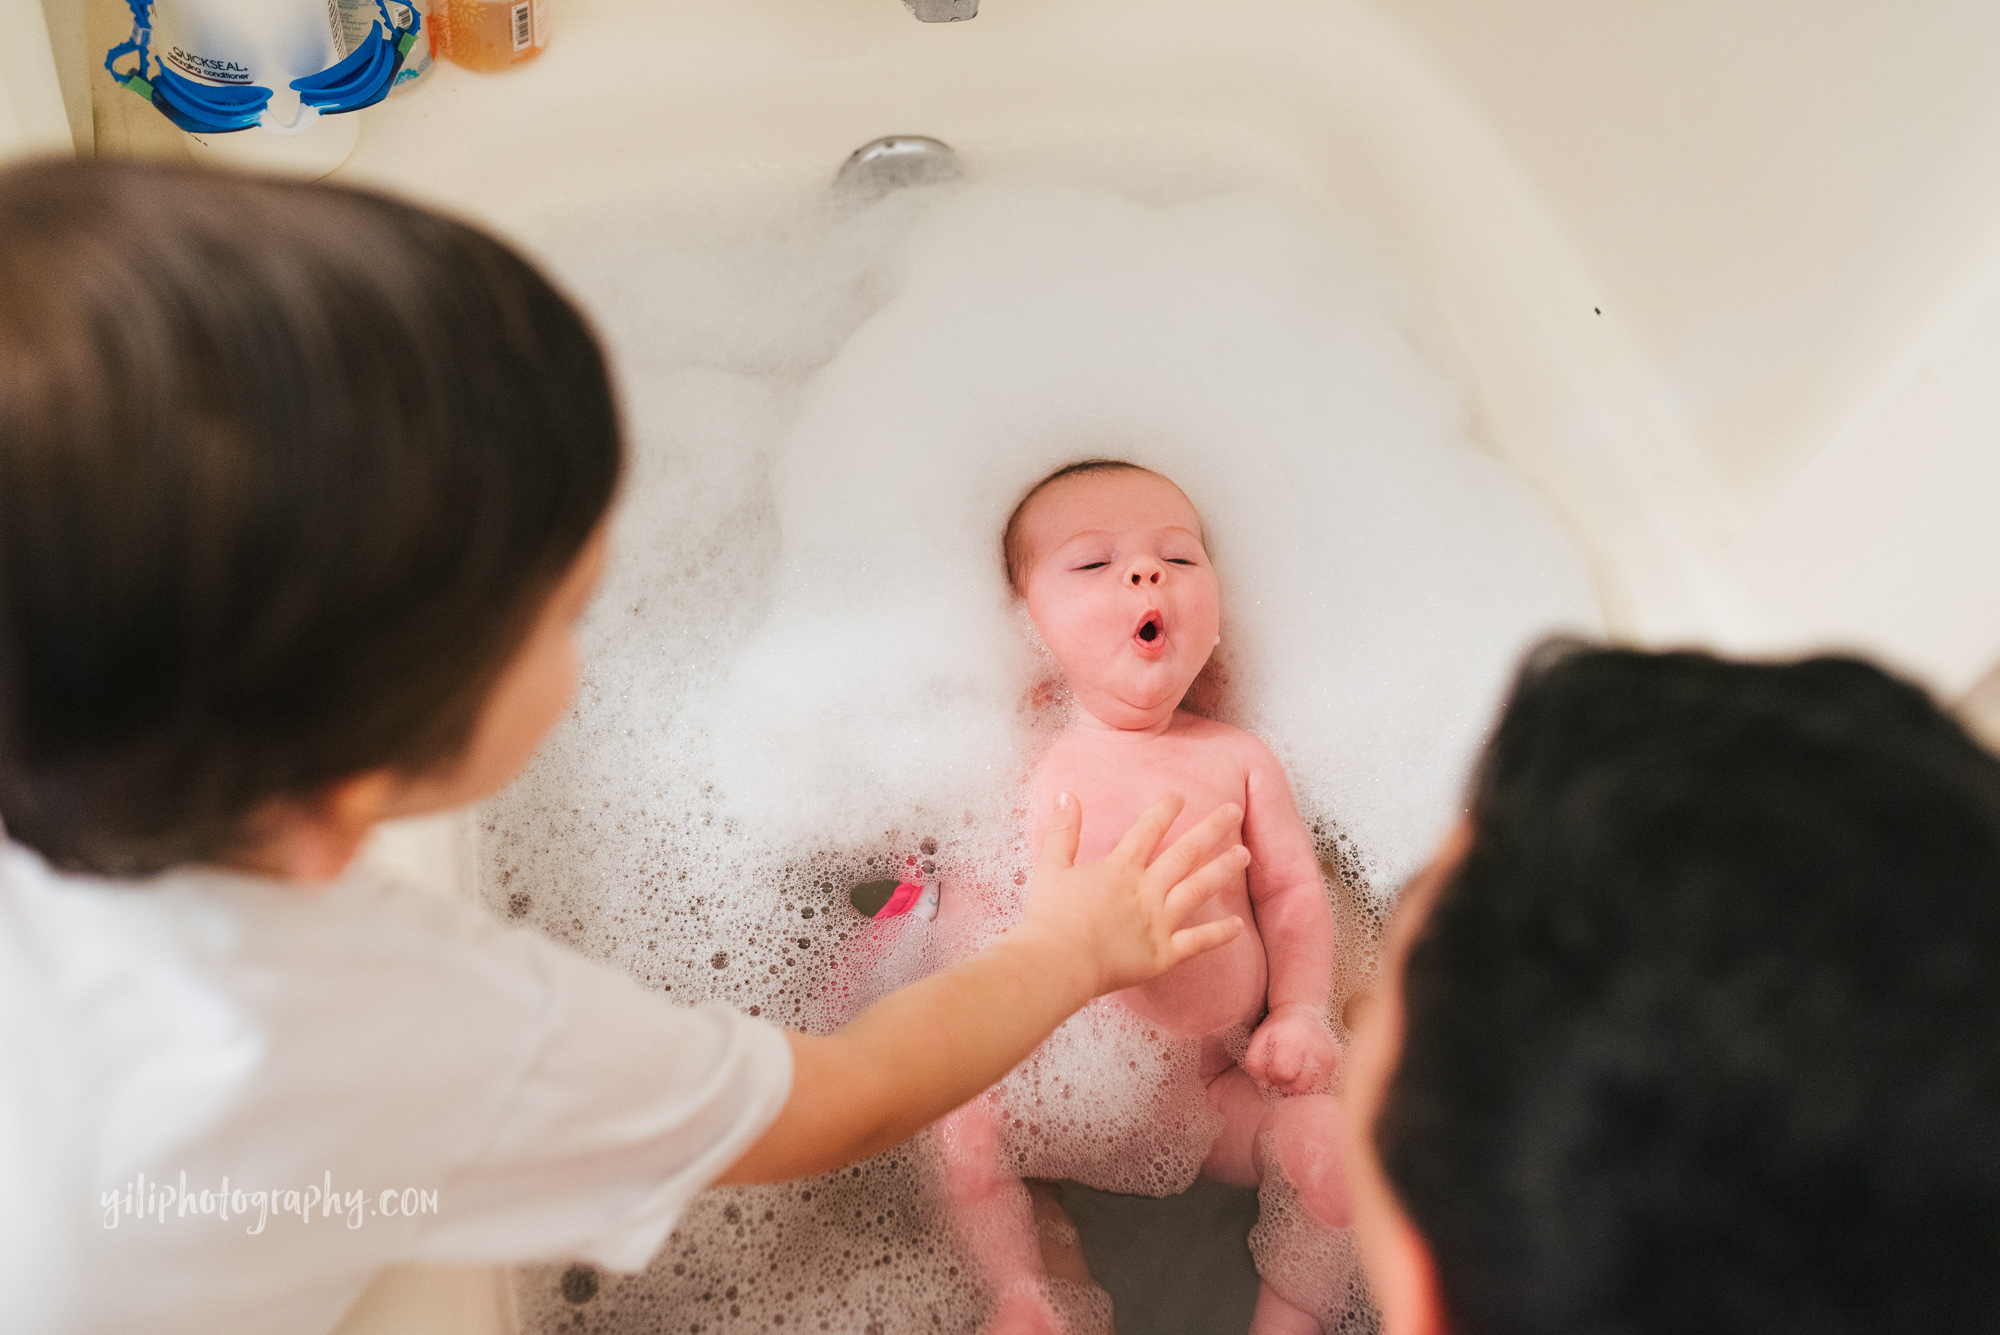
{"x": 1122, "y": 592}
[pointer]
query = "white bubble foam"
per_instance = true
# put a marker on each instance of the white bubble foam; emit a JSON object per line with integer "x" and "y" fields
{"x": 1379, "y": 574}
{"x": 804, "y": 670}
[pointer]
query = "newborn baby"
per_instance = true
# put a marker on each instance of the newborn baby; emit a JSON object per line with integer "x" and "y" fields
{"x": 1110, "y": 561}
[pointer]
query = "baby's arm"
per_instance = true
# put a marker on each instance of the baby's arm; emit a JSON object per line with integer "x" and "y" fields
{"x": 1292, "y": 1049}
{"x": 920, "y": 1052}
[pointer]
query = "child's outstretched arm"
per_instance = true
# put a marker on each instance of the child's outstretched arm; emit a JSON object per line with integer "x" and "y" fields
{"x": 920, "y": 1052}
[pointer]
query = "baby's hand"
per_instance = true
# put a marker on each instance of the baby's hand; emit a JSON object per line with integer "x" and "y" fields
{"x": 1293, "y": 1051}
{"x": 1118, "y": 919}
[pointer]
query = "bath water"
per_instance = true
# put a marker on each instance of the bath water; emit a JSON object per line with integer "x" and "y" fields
{"x": 804, "y": 670}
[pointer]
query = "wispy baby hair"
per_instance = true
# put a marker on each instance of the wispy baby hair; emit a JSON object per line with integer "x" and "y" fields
{"x": 1010, "y": 538}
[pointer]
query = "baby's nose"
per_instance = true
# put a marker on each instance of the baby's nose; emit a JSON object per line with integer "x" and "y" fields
{"x": 1146, "y": 572}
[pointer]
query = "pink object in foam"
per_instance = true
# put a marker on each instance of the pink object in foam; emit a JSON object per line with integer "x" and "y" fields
{"x": 902, "y": 901}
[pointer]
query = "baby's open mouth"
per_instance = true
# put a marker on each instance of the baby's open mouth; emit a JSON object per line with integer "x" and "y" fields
{"x": 1151, "y": 628}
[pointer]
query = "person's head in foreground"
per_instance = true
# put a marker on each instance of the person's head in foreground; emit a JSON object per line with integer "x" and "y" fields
{"x": 1694, "y": 1025}
{"x": 299, "y": 496}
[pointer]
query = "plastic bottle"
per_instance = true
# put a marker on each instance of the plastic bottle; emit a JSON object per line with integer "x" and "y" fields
{"x": 491, "y": 34}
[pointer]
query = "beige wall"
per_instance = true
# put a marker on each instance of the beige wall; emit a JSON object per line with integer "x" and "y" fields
{"x": 1792, "y": 208}
{"x": 1777, "y": 196}
{"x": 41, "y": 110}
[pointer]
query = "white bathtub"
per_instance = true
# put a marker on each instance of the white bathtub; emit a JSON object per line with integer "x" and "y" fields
{"x": 1725, "y": 276}
{"x": 1779, "y": 433}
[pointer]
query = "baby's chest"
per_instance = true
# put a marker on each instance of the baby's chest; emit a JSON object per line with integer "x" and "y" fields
{"x": 1117, "y": 784}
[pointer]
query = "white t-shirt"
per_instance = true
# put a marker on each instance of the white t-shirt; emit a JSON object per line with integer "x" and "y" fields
{"x": 404, "y": 1078}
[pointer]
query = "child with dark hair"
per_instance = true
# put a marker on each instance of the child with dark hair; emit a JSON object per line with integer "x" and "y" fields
{"x": 1692, "y": 1025}
{"x": 301, "y": 491}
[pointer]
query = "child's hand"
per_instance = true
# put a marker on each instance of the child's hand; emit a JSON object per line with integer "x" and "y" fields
{"x": 1117, "y": 918}
{"x": 1293, "y": 1051}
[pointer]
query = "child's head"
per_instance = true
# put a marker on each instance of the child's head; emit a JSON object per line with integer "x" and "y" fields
{"x": 289, "y": 475}
{"x": 1110, "y": 560}
{"x": 1692, "y": 1025}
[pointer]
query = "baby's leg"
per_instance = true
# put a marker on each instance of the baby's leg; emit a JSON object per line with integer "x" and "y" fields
{"x": 1055, "y": 1233}
{"x": 1301, "y": 1139}
{"x": 1081, "y": 1306}
{"x": 1233, "y": 1156}
{"x": 996, "y": 1219}
{"x": 1304, "y": 1252}
{"x": 1289, "y": 1147}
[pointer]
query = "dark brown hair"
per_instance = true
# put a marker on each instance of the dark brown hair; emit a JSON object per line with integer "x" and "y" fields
{"x": 1010, "y": 537}
{"x": 286, "y": 473}
{"x": 1700, "y": 1034}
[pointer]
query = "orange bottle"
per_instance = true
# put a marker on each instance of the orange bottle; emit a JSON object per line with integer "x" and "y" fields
{"x": 490, "y": 34}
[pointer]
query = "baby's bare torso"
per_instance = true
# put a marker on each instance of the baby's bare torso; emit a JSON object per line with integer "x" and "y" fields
{"x": 1116, "y": 776}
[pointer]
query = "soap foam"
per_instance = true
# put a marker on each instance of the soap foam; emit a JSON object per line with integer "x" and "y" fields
{"x": 805, "y": 671}
{"x": 1379, "y": 575}
{"x": 1110, "y": 1102}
